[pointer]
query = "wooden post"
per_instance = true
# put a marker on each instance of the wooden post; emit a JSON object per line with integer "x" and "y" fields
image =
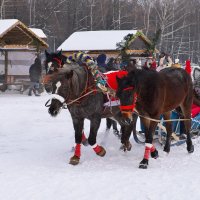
{"x": 6, "y": 67}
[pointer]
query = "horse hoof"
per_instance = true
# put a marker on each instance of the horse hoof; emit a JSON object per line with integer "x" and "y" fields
{"x": 74, "y": 160}
{"x": 166, "y": 149}
{"x": 143, "y": 164}
{"x": 154, "y": 154}
{"x": 122, "y": 148}
{"x": 102, "y": 152}
{"x": 85, "y": 142}
{"x": 128, "y": 146}
{"x": 190, "y": 149}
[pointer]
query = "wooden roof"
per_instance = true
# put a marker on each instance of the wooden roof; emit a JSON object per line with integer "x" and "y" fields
{"x": 14, "y": 34}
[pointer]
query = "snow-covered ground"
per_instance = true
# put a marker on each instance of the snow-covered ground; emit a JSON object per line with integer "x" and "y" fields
{"x": 35, "y": 150}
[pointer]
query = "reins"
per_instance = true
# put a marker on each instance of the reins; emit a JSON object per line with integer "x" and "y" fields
{"x": 77, "y": 99}
{"x": 158, "y": 120}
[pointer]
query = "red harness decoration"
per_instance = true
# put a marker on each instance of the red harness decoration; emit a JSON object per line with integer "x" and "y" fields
{"x": 112, "y": 80}
{"x": 58, "y": 61}
{"x": 130, "y": 107}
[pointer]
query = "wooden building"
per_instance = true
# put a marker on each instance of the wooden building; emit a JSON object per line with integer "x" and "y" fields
{"x": 97, "y": 42}
{"x": 19, "y": 47}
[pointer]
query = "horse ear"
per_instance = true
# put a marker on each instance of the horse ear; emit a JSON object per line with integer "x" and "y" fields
{"x": 46, "y": 53}
{"x": 60, "y": 53}
{"x": 69, "y": 75}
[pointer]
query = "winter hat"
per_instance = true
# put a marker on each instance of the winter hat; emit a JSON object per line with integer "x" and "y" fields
{"x": 37, "y": 61}
{"x": 101, "y": 59}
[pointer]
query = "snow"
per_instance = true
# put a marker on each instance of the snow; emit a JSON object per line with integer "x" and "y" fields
{"x": 38, "y": 32}
{"x": 6, "y": 24}
{"x": 35, "y": 150}
{"x": 94, "y": 40}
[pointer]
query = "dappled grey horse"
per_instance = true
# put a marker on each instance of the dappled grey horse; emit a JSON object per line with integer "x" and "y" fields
{"x": 74, "y": 87}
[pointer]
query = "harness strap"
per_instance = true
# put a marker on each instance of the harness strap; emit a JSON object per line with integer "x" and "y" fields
{"x": 58, "y": 61}
{"x": 129, "y": 107}
{"x": 59, "y": 98}
{"x": 158, "y": 120}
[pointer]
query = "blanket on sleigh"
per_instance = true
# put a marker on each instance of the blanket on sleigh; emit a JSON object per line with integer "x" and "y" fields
{"x": 112, "y": 83}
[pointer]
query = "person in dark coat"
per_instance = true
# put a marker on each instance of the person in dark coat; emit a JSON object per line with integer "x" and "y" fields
{"x": 113, "y": 64}
{"x": 35, "y": 73}
{"x": 101, "y": 63}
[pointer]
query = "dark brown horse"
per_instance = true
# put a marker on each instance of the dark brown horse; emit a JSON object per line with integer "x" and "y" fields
{"x": 152, "y": 94}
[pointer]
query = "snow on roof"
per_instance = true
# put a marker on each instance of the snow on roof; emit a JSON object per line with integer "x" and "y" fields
{"x": 94, "y": 40}
{"x": 6, "y": 24}
{"x": 38, "y": 32}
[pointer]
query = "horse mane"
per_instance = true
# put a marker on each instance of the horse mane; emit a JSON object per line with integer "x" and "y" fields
{"x": 134, "y": 76}
{"x": 77, "y": 79}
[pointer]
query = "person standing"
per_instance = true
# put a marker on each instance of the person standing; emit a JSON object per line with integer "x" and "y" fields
{"x": 101, "y": 63}
{"x": 35, "y": 73}
{"x": 102, "y": 67}
{"x": 164, "y": 61}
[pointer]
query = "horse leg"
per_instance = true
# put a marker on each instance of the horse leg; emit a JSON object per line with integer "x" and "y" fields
{"x": 95, "y": 121}
{"x": 78, "y": 127}
{"x": 84, "y": 139}
{"x": 169, "y": 132}
{"x": 187, "y": 123}
{"x": 126, "y": 133}
{"x": 149, "y": 147}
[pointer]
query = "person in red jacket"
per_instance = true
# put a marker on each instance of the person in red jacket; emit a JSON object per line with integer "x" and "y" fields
{"x": 150, "y": 63}
{"x": 196, "y": 106}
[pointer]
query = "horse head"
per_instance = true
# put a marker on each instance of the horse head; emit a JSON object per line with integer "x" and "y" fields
{"x": 53, "y": 64}
{"x": 62, "y": 87}
{"x": 126, "y": 92}
{"x": 54, "y": 61}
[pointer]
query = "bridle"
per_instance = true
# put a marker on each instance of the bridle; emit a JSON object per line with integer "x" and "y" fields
{"x": 129, "y": 108}
{"x": 88, "y": 89}
{"x": 58, "y": 61}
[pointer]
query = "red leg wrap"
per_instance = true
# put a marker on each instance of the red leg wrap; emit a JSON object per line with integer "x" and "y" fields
{"x": 77, "y": 151}
{"x": 153, "y": 148}
{"x": 147, "y": 152}
{"x": 83, "y": 136}
{"x": 97, "y": 149}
